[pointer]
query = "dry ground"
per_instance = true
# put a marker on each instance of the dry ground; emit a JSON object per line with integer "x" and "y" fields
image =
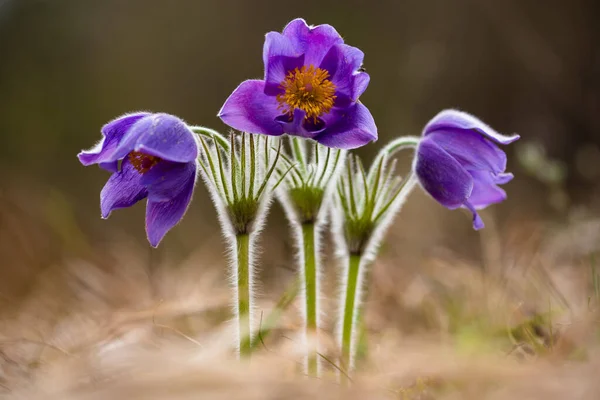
{"x": 88, "y": 323}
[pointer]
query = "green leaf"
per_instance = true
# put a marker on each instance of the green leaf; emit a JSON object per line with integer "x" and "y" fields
{"x": 252, "y": 166}
{"x": 319, "y": 182}
{"x": 222, "y": 173}
{"x": 210, "y": 162}
{"x": 268, "y": 176}
{"x": 351, "y": 187}
{"x": 211, "y": 133}
{"x": 243, "y": 162}
{"x": 233, "y": 171}
{"x": 298, "y": 150}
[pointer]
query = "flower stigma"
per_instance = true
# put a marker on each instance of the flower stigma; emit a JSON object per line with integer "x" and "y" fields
{"x": 142, "y": 162}
{"x": 308, "y": 89}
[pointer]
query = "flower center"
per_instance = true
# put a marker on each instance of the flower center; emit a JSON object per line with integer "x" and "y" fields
{"x": 308, "y": 89}
{"x": 142, "y": 162}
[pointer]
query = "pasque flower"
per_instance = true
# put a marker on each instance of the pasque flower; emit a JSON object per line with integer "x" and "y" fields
{"x": 459, "y": 163}
{"x": 311, "y": 87}
{"x": 150, "y": 156}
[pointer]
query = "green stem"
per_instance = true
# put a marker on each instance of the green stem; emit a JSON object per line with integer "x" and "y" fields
{"x": 350, "y": 311}
{"x": 243, "y": 292}
{"x": 310, "y": 294}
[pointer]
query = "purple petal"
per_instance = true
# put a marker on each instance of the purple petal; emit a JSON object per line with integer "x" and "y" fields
{"x": 503, "y": 178}
{"x": 470, "y": 149}
{"x": 248, "y": 109}
{"x": 161, "y": 135}
{"x": 280, "y": 55}
{"x": 112, "y": 166}
{"x": 276, "y": 70}
{"x": 477, "y": 221}
{"x": 104, "y": 152}
{"x": 485, "y": 191}
{"x": 277, "y": 45}
{"x": 161, "y": 216}
{"x": 441, "y": 175}
{"x": 342, "y": 62}
{"x": 312, "y": 41}
{"x": 348, "y": 128}
{"x": 355, "y": 86}
{"x": 101, "y": 150}
{"x": 121, "y": 124}
{"x": 167, "y": 179}
{"x": 298, "y": 125}
{"x": 122, "y": 190}
{"x": 361, "y": 82}
{"x": 454, "y": 119}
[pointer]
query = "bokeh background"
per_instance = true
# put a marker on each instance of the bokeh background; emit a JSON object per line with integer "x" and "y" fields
{"x": 69, "y": 66}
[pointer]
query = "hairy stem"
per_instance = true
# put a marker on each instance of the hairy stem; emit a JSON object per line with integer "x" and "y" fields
{"x": 351, "y": 311}
{"x": 243, "y": 294}
{"x": 311, "y": 294}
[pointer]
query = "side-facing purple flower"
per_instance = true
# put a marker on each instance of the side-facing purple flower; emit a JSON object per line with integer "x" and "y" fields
{"x": 310, "y": 89}
{"x": 150, "y": 156}
{"x": 459, "y": 163}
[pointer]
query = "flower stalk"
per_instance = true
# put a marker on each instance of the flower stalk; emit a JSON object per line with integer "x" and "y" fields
{"x": 240, "y": 174}
{"x": 243, "y": 293}
{"x": 350, "y": 305}
{"x": 305, "y": 195}
{"x": 311, "y": 292}
{"x": 367, "y": 204}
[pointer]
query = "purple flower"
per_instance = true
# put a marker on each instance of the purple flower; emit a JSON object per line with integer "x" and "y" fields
{"x": 459, "y": 163}
{"x": 311, "y": 88}
{"x": 157, "y": 154}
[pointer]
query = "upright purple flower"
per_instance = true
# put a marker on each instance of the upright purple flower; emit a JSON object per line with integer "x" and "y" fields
{"x": 311, "y": 88}
{"x": 459, "y": 163}
{"x": 158, "y": 155}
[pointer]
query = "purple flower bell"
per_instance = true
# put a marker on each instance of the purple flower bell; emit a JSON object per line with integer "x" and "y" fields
{"x": 459, "y": 163}
{"x": 158, "y": 155}
{"x": 311, "y": 88}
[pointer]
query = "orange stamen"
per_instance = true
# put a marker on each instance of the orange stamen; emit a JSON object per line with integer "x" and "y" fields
{"x": 308, "y": 89}
{"x": 142, "y": 162}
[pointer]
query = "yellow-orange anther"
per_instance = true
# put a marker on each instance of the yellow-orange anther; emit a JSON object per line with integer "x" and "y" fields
{"x": 142, "y": 162}
{"x": 308, "y": 89}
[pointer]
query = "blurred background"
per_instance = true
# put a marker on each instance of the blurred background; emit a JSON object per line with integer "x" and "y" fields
{"x": 69, "y": 66}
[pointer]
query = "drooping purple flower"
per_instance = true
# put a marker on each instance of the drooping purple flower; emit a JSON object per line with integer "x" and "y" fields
{"x": 150, "y": 156}
{"x": 459, "y": 163}
{"x": 311, "y": 87}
